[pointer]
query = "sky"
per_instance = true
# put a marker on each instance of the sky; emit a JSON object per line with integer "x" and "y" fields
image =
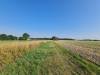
{"x": 45, "y": 18}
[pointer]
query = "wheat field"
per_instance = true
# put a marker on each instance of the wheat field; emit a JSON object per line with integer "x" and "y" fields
{"x": 10, "y": 50}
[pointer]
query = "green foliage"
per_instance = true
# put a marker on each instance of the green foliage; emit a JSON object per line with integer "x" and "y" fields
{"x": 26, "y": 36}
{"x": 7, "y": 37}
{"x": 20, "y": 38}
{"x": 54, "y": 38}
{"x": 11, "y": 37}
{"x": 3, "y": 37}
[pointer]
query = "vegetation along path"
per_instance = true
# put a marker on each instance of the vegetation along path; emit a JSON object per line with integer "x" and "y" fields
{"x": 51, "y": 59}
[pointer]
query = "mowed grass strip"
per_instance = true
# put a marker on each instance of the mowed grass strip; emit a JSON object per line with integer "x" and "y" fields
{"x": 50, "y": 59}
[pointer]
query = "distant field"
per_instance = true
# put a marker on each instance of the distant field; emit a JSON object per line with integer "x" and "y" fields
{"x": 49, "y": 58}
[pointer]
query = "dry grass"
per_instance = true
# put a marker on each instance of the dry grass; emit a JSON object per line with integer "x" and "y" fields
{"x": 10, "y": 50}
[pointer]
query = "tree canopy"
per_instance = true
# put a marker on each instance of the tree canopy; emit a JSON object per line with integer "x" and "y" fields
{"x": 25, "y": 36}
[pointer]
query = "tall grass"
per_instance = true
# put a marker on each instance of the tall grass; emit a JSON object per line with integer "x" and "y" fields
{"x": 10, "y": 50}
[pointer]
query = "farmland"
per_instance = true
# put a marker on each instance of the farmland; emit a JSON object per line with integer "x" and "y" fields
{"x": 49, "y": 58}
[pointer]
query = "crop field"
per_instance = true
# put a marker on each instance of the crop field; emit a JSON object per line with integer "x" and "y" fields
{"x": 49, "y": 57}
{"x": 87, "y": 49}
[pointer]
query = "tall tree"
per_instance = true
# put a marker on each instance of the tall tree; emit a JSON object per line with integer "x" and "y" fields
{"x": 26, "y": 36}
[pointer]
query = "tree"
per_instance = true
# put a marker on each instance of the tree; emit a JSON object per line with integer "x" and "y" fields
{"x": 54, "y": 38}
{"x": 26, "y": 36}
{"x": 3, "y": 37}
{"x": 11, "y": 37}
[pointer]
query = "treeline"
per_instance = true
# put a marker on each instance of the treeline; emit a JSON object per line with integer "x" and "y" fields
{"x": 25, "y": 36}
{"x": 89, "y": 40}
{"x": 52, "y": 38}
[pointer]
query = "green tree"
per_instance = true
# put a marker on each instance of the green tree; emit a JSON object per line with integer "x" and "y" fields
{"x": 26, "y": 36}
{"x": 11, "y": 37}
{"x": 54, "y": 38}
{"x": 3, "y": 37}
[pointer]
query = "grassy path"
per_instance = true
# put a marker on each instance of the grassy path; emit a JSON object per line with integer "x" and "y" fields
{"x": 50, "y": 59}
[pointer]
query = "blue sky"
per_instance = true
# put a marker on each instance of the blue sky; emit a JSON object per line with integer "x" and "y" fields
{"x": 46, "y": 18}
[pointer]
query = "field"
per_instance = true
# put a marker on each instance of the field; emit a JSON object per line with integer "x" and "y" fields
{"x": 49, "y": 58}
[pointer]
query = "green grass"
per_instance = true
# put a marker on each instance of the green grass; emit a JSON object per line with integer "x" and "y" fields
{"x": 50, "y": 59}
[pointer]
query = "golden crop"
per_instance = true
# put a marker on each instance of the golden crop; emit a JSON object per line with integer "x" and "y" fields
{"x": 10, "y": 50}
